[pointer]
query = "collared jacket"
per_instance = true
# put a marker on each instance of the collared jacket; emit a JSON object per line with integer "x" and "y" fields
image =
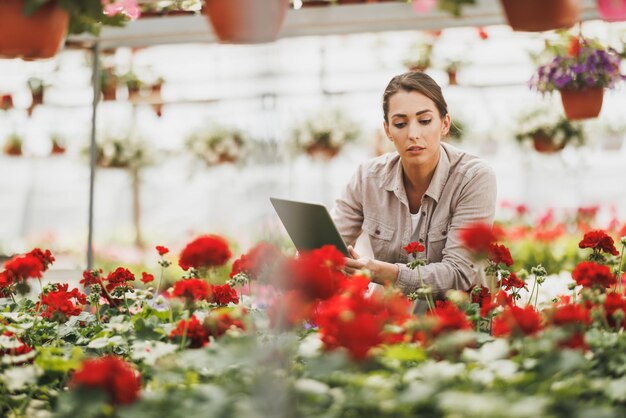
{"x": 462, "y": 192}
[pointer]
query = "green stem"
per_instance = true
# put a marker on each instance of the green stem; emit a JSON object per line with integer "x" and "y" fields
{"x": 126, "y": 303}
{"x": 532, "y": 292}
{"x": 98, "y": 310}
{"x": 156, "y": 292}
{"x": 537, "y": 297}
{"x": 618, "y": 270}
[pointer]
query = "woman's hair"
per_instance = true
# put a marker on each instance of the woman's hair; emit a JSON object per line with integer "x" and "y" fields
{"x": 419, "y": 82}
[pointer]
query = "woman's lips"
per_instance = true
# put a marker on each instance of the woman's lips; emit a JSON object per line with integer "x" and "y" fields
{"x": 415, "y": 150}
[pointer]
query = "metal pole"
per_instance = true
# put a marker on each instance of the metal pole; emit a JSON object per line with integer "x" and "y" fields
{"x": 93, "y": 148}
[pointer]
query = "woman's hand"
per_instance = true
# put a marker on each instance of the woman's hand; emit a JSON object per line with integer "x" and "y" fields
{"x": 381, "y": 272}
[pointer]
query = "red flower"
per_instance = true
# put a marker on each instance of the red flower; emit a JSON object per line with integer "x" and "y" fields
{"x": 315, "y": 274}
{"x": 571, "y": 315}
{"x": 91, "y": 277}
{"x": 45, "y": 257}
{"x": 194, "y": 333}
{"x": 23, "y": 267}
{"x": 599, "y": 241}
{"x": 500, "y": 254}
{"x": 205, "y": 251}
{"x": 112, "y": 375}
{"x": 191, "y": 289}
{"x": 479, "y": 237}
{"x": 223, "y": 295}
{"x": 480, "y": 294}
{"x": 221, "y": 320}
{"x": 61, "y": 304}
{"x": 414, "y": 248}
{"x": 482, "y": 33}
{"x": 573, "y": 49}
{"x": 5, "y": 283}
{"x": 17, "y": 351}
{"x": 612, "y": 303}
{"x": 449, "y": 318}
{"x": 146, "y": 277}
{"x": 289, "y": 311}
{"x": 576, "y": 341}
{"x": 256, "y": 261}
{"x": 501, "y": 298}
{"x": 162, "y": 250}
{"x": 590, "y": 274}
{"x": 512, "y": 282}
{"x": 517, "y": 322}
{"x": 119, "y": 277}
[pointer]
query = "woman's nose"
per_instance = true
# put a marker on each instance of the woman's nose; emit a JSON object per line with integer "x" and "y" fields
{"x": 413, "y": 130}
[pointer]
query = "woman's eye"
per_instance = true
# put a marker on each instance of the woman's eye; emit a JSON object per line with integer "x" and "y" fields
{"x": 425, "y": 121}
{"x": 400, "y": 125}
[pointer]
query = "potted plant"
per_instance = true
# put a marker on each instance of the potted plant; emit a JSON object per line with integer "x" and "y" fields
{"x": 122, "y": 152}
{"x": 324, "y": 134}
{"x": 6, "y": 102}
{"x": 454, "y": 7}
{"x": 580, "y": 70}
{"x": 419, "y": 56}
{"x": 58, "y": 144}
{"x": 134, "y": 85}
{"x": 108, "y": 83}
{"x": 217, "y": 144}
{"x": 13, "y": 145}
{"x": 246, "y": 21}
{"x": 612, "y": 135}
{"x": 540, "y": 15}
{"x": 548, "y": 131}
{"x": 155, "y": 96}
{"x": 36, "y": 28}
{"x": 452, "y": 67}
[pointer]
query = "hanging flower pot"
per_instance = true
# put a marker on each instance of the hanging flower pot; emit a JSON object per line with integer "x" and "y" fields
{"x": 612, "y": 10}
{"x": 546, "y": 144}
{"x": 582, "y": 104}
{"x": 39, "y": 35}
{"x": 541, "y": 15}
{"x": 246, "y": 21}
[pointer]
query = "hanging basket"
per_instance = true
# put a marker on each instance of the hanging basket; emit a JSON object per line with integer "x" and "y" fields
{"x": 541, "y": 15}
{"x": 582, "y": 104}
{"x": 545, "y": 144}
{"x": 38, "y": 36}
{"x": 612, "y": 10}
{"x": 246, "y": 21}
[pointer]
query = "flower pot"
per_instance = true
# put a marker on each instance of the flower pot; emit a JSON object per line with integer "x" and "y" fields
{"x": 582, "y": 104}
{"x": 40, "y": 35}
{"x": 612, "y": 10}
{"x": 6, "y": 102}
{"x": 321, "y": 151}
{"x": 246, "y": 21}
{"x": 541, "y": 15}
{"x": 452, "y": 78}
{"x": 545, "y": 144}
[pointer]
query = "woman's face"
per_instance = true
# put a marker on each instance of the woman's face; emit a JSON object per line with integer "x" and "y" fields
{"x": 415, "y": 127}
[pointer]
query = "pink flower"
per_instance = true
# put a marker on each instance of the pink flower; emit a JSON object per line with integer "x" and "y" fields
{"x": 127, "y": 7}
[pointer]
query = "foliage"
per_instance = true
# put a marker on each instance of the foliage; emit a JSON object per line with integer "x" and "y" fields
{"x": 546, "y": 123}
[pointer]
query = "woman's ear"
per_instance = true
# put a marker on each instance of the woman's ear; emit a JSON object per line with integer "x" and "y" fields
{"x": 387, "y": 134}
{"x": 445, "y": 125}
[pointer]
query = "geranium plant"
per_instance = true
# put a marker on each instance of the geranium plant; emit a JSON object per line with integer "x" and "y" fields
{"x": 549, "y": 131}
{"x": 118, "y": 152}
{"x": 326, "y": 133}
{"x": 578, "y": 65}
{"x": 217, "y": 144}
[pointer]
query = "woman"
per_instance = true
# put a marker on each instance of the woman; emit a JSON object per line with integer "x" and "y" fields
{"x": 426, "y": 192}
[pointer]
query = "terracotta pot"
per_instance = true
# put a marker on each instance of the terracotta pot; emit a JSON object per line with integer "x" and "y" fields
{"x": 544, "y": 144}
{"x": 326, "y": 153}
{"x": 13, "y": 150}
{"x": 582, "y": 104}
{"x": 612, "y": 10}
{"x": 246, "y": 21}
{"x": 541, "y": 15}
{"x": 452, "y": 78}
{"x": 40, "y": 35}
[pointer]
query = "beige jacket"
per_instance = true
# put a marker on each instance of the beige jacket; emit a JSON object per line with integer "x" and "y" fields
{"x": 462, "y": 191}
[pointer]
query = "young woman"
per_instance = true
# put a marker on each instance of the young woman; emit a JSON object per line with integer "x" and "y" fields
{"x": 426, "y": 192}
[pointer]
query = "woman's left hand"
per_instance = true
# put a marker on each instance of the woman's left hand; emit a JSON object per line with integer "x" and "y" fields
{"x": 381, "y": 272}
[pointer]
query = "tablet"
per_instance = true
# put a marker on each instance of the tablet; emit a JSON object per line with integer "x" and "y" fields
{"x": 309, "y": 225}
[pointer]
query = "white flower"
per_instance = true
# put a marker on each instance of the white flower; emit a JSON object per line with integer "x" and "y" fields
{"x": 311, "y": 386}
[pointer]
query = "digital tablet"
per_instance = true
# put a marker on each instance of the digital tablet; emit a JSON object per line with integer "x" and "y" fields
{"x": 309, "y": 225}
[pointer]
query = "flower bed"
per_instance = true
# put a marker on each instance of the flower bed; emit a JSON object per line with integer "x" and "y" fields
{"x": 319, "y": 345}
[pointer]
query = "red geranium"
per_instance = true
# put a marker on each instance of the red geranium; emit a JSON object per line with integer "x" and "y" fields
{"x": 289, "y": 311}
{"x": 193, "y": 330}
{"x": 479, "y": 237}
{"x": 517, "y": 321}
{"x": 112, "y": 375}
{"x": 316, "y": 274}
{"x": 205, "y": 251}
{"x": 17, "y": 351}
{"x": 191, "y": 289}
{"x": 147, "y": 277}
{"x": 449, "y": 318}
{"x": 223, "y": 295}
{"x": 119, "y": 277}
{"x": 479, "y": 294}
{"x": 24, "y": 267}
{"x": 590, "y": 274}
{"x": 513, "y": 282}
{"x": 571, "y": 315}
{"x": 254, "y": 263}
{"x": 598, "y": 241}
{"x": 414, "y": 248}
{"x": 61, "y": 304}
{"x": 162, "y": 250}
{"x": 500, "y": 254}
{"x": 612, "y": 303}
{"x": 91, "y": 277}
{"x": 45, "y": 257}
{"x": 221, "y": 320}
{"x": 500, "y": 298}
